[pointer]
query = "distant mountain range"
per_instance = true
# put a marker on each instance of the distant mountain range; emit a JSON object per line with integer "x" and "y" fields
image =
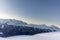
{"x": 11, "y": 27}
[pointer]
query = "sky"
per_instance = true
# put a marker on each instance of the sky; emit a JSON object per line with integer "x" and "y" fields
{"x": 31, "y": 11}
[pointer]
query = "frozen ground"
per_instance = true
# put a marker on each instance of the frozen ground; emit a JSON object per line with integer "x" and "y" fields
{"x": 44, "y": 36}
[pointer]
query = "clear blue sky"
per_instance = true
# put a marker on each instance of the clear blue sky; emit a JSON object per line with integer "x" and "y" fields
{"x": 32, "y": 11}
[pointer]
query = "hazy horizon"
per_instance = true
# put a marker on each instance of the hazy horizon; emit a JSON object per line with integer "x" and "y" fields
{"x": 31, "y": 11}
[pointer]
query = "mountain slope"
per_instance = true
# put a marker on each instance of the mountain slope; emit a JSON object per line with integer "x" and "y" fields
{"x": 11, "y": 27}
{"x": 12, "y": 22}
{"x": 43, "y": 36}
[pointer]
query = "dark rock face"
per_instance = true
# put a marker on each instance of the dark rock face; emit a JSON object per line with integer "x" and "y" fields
{"x": 12, "y": 30}
{"x": 15, "y": 27}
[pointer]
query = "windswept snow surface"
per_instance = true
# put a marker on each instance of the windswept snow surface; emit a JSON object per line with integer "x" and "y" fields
{"x": 43, "y": 36}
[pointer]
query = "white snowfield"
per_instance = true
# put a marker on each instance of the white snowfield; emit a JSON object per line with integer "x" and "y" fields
{"x": 44, "y": 36}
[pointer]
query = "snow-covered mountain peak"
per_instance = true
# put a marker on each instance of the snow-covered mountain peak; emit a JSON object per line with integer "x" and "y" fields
{"x": 21, "y": 23}
{"x": 11, "y": 22}
{"x": 21, "y": 28}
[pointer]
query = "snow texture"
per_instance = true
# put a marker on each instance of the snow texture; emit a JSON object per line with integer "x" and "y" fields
{"x": 44, "y": 36}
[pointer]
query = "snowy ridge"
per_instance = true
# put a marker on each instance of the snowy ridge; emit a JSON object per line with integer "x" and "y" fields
{"x": 12, "y": 22}
{"x": 21, "y": 23}
{"x": 12, "y": 27}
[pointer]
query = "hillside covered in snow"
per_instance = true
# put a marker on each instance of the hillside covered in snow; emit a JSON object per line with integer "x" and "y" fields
{"x": 43, "y": 36}
{"x": 12, "y": 27}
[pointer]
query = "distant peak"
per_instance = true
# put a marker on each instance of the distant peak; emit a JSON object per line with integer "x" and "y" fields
{"x": 11, "y": 21}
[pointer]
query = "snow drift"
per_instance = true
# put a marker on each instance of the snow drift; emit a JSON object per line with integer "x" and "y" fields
{"x": 43, "y": 36}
